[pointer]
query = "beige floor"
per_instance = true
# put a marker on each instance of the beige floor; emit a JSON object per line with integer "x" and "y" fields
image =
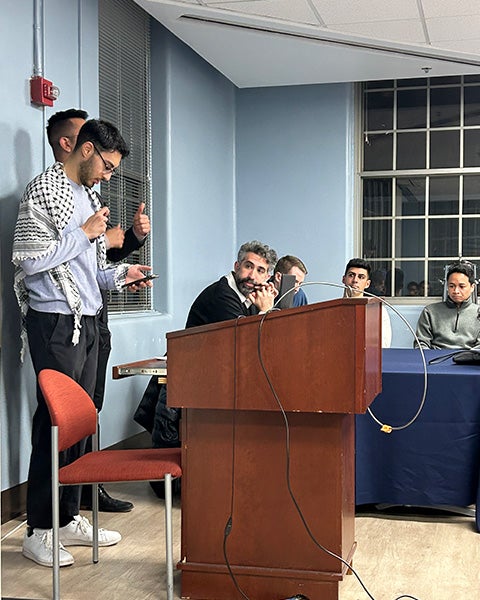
{"x": 426, "y": 557}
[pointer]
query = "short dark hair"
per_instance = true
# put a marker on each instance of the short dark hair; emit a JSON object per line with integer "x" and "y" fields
{"x": 462, "y": 267}
{"x": 104, "y": 135}
{"x": 359, "y": 263}
{"x": 261, "y": 250}
{"x": 58, "y": 126}
{"x": 287, "y": 262}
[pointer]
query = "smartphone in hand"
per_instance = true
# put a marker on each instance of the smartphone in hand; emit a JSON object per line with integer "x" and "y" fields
{"x": 137, "y": 281}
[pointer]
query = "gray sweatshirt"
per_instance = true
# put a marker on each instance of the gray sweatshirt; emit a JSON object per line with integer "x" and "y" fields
{"x": 446, "y": 325}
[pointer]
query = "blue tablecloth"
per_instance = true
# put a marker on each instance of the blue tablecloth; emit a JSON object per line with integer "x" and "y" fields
{"x": 435, "y": 461}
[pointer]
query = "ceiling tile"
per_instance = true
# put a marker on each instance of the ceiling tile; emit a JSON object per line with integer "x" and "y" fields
{"x": 454, "y": 28}
{"x": 355, "y": 11}
{"x": 450, "y": 8}
{"x": 467, "y": 46}
{"x": 406, "y": 31}
{"x": 289, "y": 10}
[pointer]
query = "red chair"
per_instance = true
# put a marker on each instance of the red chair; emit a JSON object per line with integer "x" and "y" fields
{"x": 74, "y": 417}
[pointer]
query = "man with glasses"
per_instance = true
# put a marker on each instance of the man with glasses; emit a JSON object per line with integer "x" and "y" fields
{"x": 60, "y": 257}
{"x": 62, "y": 132}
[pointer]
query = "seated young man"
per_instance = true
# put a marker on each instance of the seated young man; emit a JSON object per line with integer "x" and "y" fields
{"x": 357, "y": 278}
{"x": 291, "y": 265}
{"x": 455, "y": 322}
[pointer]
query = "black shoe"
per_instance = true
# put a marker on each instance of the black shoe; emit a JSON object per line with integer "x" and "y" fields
{"x": 105, "y": 502}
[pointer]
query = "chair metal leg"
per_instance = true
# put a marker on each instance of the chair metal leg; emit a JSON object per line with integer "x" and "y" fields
{"x": 55, "y": 516}
{"x": 95, "y": 521}
{"x": 168, "y": 535}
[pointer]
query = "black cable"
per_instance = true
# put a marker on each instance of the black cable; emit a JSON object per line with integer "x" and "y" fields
{"x": 229, "y": 524}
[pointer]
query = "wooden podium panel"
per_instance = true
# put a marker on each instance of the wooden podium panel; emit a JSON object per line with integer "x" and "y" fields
{"x": 321, "y": 357}
{"x": 324, "y": 363}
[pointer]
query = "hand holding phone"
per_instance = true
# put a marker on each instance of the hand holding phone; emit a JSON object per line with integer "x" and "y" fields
{"x": 142, "y": 279}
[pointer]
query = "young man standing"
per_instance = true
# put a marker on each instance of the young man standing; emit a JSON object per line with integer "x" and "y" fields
{"x": 59, "y": 252}
{"x": 62, "y": 133}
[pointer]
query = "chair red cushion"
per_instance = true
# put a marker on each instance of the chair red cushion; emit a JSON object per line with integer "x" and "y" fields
{"x": 123, "y": 465}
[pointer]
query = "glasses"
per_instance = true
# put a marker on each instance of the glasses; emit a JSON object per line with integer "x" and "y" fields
{"x": 108, "y": 168}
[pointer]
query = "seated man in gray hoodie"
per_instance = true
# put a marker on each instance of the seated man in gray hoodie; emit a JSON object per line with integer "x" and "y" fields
{"x": 455, "y": 322}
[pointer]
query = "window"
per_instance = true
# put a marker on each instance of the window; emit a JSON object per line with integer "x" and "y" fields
{"x": 420, "y": 180}
{"x": 124, "y": 82}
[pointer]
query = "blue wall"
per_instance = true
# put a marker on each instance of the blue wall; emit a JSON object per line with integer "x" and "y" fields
{"x": 229, "y": 165}
{"x": 294, "y": 175}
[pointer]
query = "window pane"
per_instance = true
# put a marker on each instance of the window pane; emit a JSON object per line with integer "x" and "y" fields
{"x": 394, "y": 282}
{"x": 378, "y": 111}
{"x": 412, "y": 109}
{"x": 412, "y": 82}
{"x": 445, "y": 107}
{"x": 378, "y": 152}
{"x": 444, "y": 149}
{"x": 471, "y": 194}
{"x": 472, "y": 148}
{"x": 436, "y": 277}
{"x": 443, "y": 237}
{"x": 444, "y": 195}
{"x": 411, "y": 150}
{"x": 413, "y": 274}
{"x": 471, "y": 78}
{"x": 377, "y": 238}
{"x": 445, "y": 80}
{"x": 375, "y": 85}
{"x": 377, "y": 197}
{"x": 409, "y": 238}
{"x": 410, "y": 196}
{"x": 377, "y": 277}
{"x": 472, "y": 105}
{"x": 471, "y": 237}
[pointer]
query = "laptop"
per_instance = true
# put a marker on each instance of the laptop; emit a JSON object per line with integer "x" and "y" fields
{"x": 286, "y": 292}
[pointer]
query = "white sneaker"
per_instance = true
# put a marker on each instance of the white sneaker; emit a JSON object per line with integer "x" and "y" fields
{"x": 39, "y": 548}
{"x": 79, "y": 532}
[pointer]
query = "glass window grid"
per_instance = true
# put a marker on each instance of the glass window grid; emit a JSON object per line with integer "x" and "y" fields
{"x": 431, "y": 263}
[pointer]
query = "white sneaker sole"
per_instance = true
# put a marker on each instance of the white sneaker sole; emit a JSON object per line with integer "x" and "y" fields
{"x": 65, "y": 562}
{"x": 82, "y": 542}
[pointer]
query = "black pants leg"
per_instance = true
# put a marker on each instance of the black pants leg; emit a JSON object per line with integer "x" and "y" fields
{"x": 50, "y": 342}
{"x": 104, "y": 349}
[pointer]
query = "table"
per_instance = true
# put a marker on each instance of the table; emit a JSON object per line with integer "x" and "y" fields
{"x": 435, "y": 461}
{"x": 150, "y": 366}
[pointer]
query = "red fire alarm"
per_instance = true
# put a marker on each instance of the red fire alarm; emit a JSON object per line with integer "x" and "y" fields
{"x": 42, "y": 91}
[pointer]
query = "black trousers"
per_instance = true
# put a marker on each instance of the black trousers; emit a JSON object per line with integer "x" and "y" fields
{"x": 104, "y": 349}
{"x": 50, "y": 342}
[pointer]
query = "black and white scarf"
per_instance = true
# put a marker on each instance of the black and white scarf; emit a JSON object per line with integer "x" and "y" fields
{"x": 45, "y": 209}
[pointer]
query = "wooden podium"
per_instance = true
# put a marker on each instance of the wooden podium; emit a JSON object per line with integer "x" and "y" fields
{"x": 324, "y": 363}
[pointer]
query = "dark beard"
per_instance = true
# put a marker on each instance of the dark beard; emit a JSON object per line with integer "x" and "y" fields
{"x": 84, "y": 172}
{"x": 242, "y": 288}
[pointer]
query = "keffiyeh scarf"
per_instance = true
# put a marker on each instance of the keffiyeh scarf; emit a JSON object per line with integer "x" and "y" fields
{"x": 45, "y": 209}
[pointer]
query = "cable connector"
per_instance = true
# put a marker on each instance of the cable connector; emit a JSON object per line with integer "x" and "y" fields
{"x": 386, "y": 428}
{"x": 228, "y": 527}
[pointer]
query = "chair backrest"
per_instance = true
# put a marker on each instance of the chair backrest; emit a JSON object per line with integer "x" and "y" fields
{"x": 71, "y": 408}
